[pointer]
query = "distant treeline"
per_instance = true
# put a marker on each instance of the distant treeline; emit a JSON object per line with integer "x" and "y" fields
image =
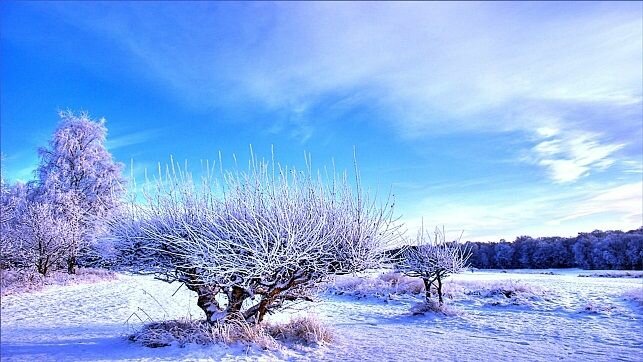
{"x": 595, "y": 250}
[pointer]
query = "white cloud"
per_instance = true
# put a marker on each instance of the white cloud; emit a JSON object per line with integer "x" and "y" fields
{"x": 547, "y": 132}
{"x": 564, "y": 170}
{"x": 130, "y": 139}
{"x": 632, "y": 166}
{"x": 572, "y": 155}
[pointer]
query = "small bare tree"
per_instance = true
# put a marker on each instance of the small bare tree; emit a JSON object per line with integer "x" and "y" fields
{"x": 433, "y": 259}
{"x": 249, "y": 241}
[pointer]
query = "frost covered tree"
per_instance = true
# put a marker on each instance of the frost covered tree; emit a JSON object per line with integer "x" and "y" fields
{"x": 10, "y": 198}
{"x": 14, "y": 199}
{"x": 41, "y": 238}
{"x": 433, "y": 259}
{"x": 79, "y": 176}
{"x": 248, "y": 241}
{"x": 504, "y": 253}
{"x": 7, "y": 214}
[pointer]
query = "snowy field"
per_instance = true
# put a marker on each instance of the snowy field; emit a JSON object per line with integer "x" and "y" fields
{"x": 574, "y": 319}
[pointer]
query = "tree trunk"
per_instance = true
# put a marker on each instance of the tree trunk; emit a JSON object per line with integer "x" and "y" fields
{"x": 236, "y": 296}
{"x": 265, "y": 303}
{"x": 427, "y": 290}
{"x": 207, "y": 302}
{"x": 273, "y": 298}
{"x": 42, "y": 268}
{"x": 261, "y": 310}
{"x": 71, "y": 265}
{"x": 439, "y": 279}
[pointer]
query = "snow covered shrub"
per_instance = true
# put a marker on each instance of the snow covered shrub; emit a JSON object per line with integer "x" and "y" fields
{"x": 433, "y": 260}
{"x": 389, "y": 284}
{"x": 504, "y": 292}
{"x": 402, "y": 284}
{"x": 451, "y": 289}
{"x": 185, "y": 331}
{"x": 306, "y": 330}
{"x": 181, "y": 332}
{"x": 252, "y": 240}
{"x": 384, "y": 285}
{"x": 434, "y": 307}
{"x": 90, "y": 275}
{"x": 20, "y": 281}
{"x": 358, "y": 286}
{"x": 392, "y": 277}
{"x": 25, "y": 280}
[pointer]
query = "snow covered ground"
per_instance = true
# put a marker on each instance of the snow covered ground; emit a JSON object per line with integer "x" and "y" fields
{"x": 89, "y": 322}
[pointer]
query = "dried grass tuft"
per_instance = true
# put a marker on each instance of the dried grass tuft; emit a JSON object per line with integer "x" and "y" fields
{"x": 435, "y": 307}
{"x": 185, "y": 331}
{"x": 304, "y": 331}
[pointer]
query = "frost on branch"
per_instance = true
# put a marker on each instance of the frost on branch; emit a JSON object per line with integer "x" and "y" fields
{"x": 251, "y": 240}
{"x": 433, "y": 260}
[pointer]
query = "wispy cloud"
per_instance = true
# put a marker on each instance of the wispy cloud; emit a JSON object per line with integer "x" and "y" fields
{"x": 570, "y": 156}
{"x": 432, "y": 67}
{"x": 296, "y": 126}
{"x": 623, "y": 199}
{"x": 133, "y": 138}
{"x": 632, "y": 166}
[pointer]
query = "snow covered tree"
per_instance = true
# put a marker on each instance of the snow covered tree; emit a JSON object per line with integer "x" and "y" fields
{"x": 250, "y": 241}
{"x": 504, "y": 254}
{"x": 433, "y": 260}
{"x": 78, "y": 175}
{"x": 13, "y": 199}
{"x": 39, "y": 241}
{"x": 634, "y": 249}
{"x": 37, "y": 237}
{"x": 10, "y": 198}
{"x": 7, "y": 212}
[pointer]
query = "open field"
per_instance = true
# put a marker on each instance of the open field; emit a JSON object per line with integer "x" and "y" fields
{"x": 549, "y": 317}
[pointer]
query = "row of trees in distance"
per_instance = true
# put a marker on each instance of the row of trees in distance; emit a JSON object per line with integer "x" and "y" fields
{"x": 595, "y": 250}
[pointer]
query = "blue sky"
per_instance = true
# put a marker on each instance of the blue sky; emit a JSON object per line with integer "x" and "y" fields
{"x": 499, "y": 119}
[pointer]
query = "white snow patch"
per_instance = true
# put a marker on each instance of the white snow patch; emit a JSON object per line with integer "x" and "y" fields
{"x": 90, "y": 322}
